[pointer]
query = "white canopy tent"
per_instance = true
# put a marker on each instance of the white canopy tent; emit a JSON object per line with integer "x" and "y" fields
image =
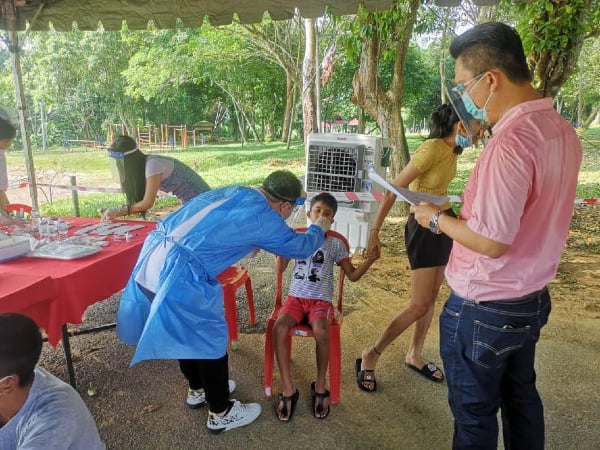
{"x": 164, "y": 13}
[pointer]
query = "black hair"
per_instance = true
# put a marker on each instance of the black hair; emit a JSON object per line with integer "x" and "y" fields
{"x": 441, "y": 124}
{"x": 7, "y": 130}
{"x": 326, "y": 198}
{"x": 134, "y": 164}
{"x": 492, "y": 45}
{"x": 20, "y": 347}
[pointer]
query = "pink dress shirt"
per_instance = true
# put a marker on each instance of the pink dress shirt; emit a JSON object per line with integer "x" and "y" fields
{"x": 521, "y": 193}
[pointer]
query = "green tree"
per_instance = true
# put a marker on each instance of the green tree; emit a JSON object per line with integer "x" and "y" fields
{"x": 553, "y": 32}
{"x": 385, "y": 36}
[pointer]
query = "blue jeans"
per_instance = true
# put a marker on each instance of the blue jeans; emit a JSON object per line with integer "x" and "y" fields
{"x": 488, "y": 350}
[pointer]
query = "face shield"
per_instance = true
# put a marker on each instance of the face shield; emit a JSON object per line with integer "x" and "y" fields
{"x": 298, "y": 204}
{"x": 117, "y": 164}
{"x": 470, "y": 124}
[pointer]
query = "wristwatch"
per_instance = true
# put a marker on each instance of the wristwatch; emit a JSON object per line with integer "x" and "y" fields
{"x": 434, "y": 225}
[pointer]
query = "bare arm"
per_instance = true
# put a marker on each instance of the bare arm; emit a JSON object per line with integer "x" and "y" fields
{"x": 152, "y": 186}
{"x": 356, "y": 273}
{"x": 281, "y": 264}
{"x": 403, "y": 179}
{"x": 459, "y": 231}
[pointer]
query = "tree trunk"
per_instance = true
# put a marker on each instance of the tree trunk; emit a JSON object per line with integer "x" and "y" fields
{"x": 309, "y": 73}
{"x": 278, "y": 46}
{"x": 289, "y": 108}
{"x": 590, "y": 118}
{"x": 15, "y": 58}
{"x": 385, "y": 106}
{"x": 443, "y": 40}
{"x": 551, "y": 67}
{"x": 361, "y": 120}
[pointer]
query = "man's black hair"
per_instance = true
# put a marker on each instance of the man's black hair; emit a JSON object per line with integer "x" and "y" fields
{"x": 20, "y": 346}
{"x": 492, "y": 45}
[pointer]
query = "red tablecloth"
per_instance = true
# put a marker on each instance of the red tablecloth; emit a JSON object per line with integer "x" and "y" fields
{"x": 55, "y": 292}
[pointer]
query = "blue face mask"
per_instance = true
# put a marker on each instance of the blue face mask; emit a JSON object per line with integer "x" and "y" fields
{"x": 470, "y": 106}
{"x": 463, "y": 141}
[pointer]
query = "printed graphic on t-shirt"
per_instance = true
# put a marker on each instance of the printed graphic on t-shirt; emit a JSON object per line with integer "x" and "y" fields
{"x": 313, "y": 277}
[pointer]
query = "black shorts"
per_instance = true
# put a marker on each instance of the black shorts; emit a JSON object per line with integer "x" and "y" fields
{"x": 424, "y": 248}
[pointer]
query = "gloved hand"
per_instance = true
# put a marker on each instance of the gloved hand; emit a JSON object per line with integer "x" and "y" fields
{"x": 323, "y": 223}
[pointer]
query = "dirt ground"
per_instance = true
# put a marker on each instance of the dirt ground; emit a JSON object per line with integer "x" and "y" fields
{"x": 142, "y": 407}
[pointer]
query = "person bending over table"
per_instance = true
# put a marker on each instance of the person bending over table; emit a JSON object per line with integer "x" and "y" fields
{"x": 141, "y": 176}
{"x": 172, "y": 306}
{"x": 37, "y": 410}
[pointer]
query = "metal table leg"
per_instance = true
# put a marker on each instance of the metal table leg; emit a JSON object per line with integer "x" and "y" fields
{"x": 67, "y": 348}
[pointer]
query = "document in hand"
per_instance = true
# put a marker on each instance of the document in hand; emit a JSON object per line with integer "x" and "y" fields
{"x": 402, "y": 194}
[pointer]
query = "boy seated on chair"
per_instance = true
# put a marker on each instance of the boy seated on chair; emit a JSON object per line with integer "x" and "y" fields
{"x": 310, "y": 298}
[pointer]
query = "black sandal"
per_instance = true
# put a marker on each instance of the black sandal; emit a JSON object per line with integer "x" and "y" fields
{"x": 286, "y": 412}
{"x": 317, "y": 402}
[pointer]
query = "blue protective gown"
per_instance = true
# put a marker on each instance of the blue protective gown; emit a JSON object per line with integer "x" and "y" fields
{"x": 186, "y": 319}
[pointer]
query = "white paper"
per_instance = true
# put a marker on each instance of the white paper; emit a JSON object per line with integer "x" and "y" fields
{"x": 402, "y": 194}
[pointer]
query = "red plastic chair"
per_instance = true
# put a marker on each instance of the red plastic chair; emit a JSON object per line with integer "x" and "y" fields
{"x": 304, "y": 330}
{"x": 14, "y": 209}
{"x": 232, "y": 279}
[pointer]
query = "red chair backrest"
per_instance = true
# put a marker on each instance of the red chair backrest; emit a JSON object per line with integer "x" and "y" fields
{"x": 17, "y": 207}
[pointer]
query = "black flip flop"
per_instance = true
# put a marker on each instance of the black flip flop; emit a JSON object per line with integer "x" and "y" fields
{"x": 365, "y": 376}
{"x": 287, "y": 411}
{"x": 427, "y": 371}
{"x": 317, "y": 400}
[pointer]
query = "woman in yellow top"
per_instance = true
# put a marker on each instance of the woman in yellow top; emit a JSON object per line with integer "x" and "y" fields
{"x": 430, "y": 171}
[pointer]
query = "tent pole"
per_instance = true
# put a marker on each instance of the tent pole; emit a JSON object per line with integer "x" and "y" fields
{"x": 23, "y": 115}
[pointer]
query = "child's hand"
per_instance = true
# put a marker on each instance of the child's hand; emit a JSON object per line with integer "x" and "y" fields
{"x": 373, "y": 252}
{"x": 373, "y": 255}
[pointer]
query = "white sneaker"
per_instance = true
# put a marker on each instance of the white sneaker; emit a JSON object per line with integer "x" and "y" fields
{"x": 239, "y": 415}
{"x": 196, "y": 397}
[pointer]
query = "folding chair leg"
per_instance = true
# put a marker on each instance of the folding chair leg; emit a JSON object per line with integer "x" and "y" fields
{"x": 335, "y": 365}
{"x": 250, "y": 296}
{"x": 269, "y": 359}
{"x": 231, "y": 317}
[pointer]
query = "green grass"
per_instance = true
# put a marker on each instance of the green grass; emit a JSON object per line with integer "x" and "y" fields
{"x": 220, "y": 165}
{"x": 226, "y": 164}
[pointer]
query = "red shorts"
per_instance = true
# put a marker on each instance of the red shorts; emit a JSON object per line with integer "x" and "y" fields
{"x": 300, "y": 308}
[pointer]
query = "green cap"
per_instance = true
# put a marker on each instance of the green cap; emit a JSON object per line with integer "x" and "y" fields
{"x": 284, "y": 185}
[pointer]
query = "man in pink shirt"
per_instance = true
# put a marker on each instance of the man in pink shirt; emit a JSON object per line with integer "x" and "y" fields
{"x": 508, "y": 241}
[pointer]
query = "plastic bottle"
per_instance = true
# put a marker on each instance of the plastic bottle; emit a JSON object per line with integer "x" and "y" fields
{"x": 35, "y": 219}
{"x": 62, "y": 228}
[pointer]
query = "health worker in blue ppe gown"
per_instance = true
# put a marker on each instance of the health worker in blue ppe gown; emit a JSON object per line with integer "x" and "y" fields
{"x": 172, "y": 306}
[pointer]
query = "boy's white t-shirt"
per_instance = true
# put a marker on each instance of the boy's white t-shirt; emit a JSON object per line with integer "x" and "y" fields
{"x": 312, "y": 277}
